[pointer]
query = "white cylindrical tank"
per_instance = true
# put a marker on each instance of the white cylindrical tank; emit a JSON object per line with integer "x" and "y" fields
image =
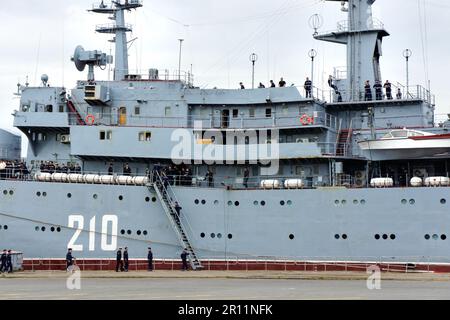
{"x": 75, "y": 178}
{"x": 382, "y": 183}
{"x": 91, "y": 178}
{"x": 437, "y": 181}
{"x": 270, "y": 184}
{"x": 43, "y": 177}
{"x": 59, "y": 177}
{"x": 140, "y": 181}
{"x": 416, "y": 182}
{"x": 294, "y": 184}
{"x": 107, "y": 179}
{"x": 124, "y": 180}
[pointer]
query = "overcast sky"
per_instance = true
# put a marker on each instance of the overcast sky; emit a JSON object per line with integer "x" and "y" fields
{"x": 39, "y": 36}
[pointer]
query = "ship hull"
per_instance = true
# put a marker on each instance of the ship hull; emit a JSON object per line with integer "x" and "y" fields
{"x": 328, "y": 224}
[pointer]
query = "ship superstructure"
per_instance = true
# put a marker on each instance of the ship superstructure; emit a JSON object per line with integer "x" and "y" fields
{"x": 263, "y": 173}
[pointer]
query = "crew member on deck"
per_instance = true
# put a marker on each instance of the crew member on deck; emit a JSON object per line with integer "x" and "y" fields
{"x": 367, "y": 91}
{"x": 241, "y": 85}
{"x": 178, "y": 210}
{"x": 150, "y": 259}
{"x": 272, "y": 84}
{"x": 246, "y": 176}
{"x": 184, "y": 255}
{"x": 282, "y": 83}
{"x": 308, "y": 88}
{"x": 261, "y": 85}
{"x": 119, "y": 263}
{"x": 388, "y": 87}
{"x": 125, "y": 259}
{"x": 378, "y": 90}
{"x": 111, "y": 169}
{"x": 210, "y": 178}
{"x": 399, "y": 94}
{"x": 126, "y": 170}
{"x": 69, "y": 258}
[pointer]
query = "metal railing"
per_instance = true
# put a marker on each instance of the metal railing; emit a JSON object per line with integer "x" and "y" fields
{"x": 112, "y": 27}
{"x": 185, "y": 77}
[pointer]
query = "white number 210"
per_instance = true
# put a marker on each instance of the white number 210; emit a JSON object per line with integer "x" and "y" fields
{"x": 107, "y": 220}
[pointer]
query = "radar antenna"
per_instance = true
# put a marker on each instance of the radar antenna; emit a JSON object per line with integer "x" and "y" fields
{"x": 92, "y": 59}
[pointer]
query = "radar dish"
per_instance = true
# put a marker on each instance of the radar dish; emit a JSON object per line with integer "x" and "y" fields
{"x": 76, "y": 58}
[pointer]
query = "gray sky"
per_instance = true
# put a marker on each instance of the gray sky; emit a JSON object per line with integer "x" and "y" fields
{"x": 39, "y": 36}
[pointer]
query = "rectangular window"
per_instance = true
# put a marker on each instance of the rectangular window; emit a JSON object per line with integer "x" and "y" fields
{"x": 145, "y": 136}
{"x": 61, "y": 108}
{"x": 102, "y": 135}
{"x": 269, "y": 113}
{"x": 108, "y": 135}
{"x": 252, "y": 112}
{"x": 168, "y": 111}
{"x": 285, "y": 110}
{"x": 137, "y": 111}
{"x": 235, "y": 113}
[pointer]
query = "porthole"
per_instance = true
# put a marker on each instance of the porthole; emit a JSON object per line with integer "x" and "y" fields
{"x": 291, "y": 236}
{"x": 344, "y": 201}
{"x": 355, "y": 201}
{"x": 202, "y": 235}
{"x": 385, "y": 236}
{"x": 5, "y": 192}
{"x": 412, "y": 201}
{"x": 427, "y": 237}
{"x": 58, "y": 229}
{"x": 43, "y": 229}
{"x": 263, "y": 203}
{"x": 230, "y": 236}
{"x": 236, "y": 203}
{"x": 213, "y": 235}
{"x": 393, "y": 236}
{"x": 216, "y": 203}
{"x": 282, "y": 203}
{"x": 443, "y": 201}
{"x": 196, "y": 201}
{"x": 44, "y": 194}
{"x": 336, "y": 202}
{"x": 145, "y": 233}
{"x": 363, "y": 202}
{"x": 138, "y": 232}
{"x": 230, "y": 203}
{"x": 129, "y": 232}
{"x": 69, "y": 195}
{"x": 344, "y": 236}
{"x": 37, "y": 193}
{"x": 255, "y": 203}
{"x": 36, "y": 228}
{"x": 404, "y": 201}
{"x": 95, "y": 196}
{"x": 219, "y": 235}
{"x": 52, "y": 229}
{"x": 337, "y": 237}
{"x": 443, "y": 237}
{"x": 377, "y": 236}
{"x": 289, "y": 203}
{"x": 122, "y": 231}
{"x": 120, "y": 198}
{"x": 154, "y": 199}
{"x": 5, "y": 227}
{"x": 203, "y": 202}
{"x": 147, "y": 199}
{"x": 435, "y": 237}
{"x": 11, "y": 192}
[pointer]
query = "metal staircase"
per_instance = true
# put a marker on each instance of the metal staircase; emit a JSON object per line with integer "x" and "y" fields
{"x": 179, "y": 224}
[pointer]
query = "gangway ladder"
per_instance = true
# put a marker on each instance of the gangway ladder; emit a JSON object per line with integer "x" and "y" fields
{"x": 168, "y": 204}
{"x": 344, "y": 140}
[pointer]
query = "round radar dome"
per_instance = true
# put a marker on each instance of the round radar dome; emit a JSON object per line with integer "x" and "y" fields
{"x": 44, "y": 78}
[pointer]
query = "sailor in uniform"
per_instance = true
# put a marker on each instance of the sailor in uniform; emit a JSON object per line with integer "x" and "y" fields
{"x": 9, "y": 266}
{"x": 3, "y": 261}
{"x": 125, "y": 259}
{"x": 150, "y": 259}
{"x": 368, "y": 91}
{"x": 69, "y": 258}
{"x": 184, "y": 255}
{"x": 119, "y": 260}
{"x": 308, "y": 88}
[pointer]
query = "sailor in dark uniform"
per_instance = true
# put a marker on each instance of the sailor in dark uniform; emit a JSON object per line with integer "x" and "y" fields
{"x": 184, "y": 255}
{"x": 69, "y": 258}
{"x": 368, "y": 91}
{"x": 9, "y": 265}
{"x": 3, "y": 261}
{"x": 378, "y": 90}
{"x": 125, "y": 259}
{"x": 150, "y": 259}
{"x": 119, "y": 264}
{"x": 388, "y": 88}
{"x": 308, "y": 88}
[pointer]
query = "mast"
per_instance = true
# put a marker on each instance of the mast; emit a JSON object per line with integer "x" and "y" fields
{"x": 117, "y": 11}
{"x": 363, "y": 36}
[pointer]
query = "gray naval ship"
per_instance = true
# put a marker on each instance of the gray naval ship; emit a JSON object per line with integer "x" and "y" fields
{"x": 357, "y": 171}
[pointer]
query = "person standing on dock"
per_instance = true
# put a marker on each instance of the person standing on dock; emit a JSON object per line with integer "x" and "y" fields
{"x": 69, "y": 258}
{"x": 119, "y": 263}
{"x": 9, "y": 266}
{"x": 3, "y": 261}
{"x": 125, "y": 259}
{"x": 150, "y": 259}
{"x": 184, "y": 255}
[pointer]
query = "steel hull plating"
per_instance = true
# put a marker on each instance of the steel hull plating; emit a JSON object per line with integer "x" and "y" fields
{"x": 230, "y": 224}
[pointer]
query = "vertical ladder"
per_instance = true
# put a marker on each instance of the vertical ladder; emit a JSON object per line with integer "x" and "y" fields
{"x": 168, "y": 201}
{"x": 341, "y": 146}
{"x": 73, "y": 110}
